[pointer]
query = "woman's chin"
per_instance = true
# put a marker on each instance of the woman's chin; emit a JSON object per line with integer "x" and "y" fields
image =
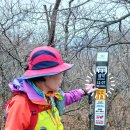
{"x": 55, "y": 90}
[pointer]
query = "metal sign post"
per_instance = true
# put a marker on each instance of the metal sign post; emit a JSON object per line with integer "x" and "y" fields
{"x": 100, "y": 97}
{"x": 90, "y": 111}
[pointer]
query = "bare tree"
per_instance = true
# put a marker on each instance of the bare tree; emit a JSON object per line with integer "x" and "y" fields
{"x": 79, "y": 30}
{"x": 53, "y": 23}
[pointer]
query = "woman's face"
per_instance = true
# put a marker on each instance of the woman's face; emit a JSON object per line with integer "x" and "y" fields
{"x": 53, "y": 83}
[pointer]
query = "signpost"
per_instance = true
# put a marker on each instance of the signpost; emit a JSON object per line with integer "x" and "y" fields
{"x": 101, "y": 83}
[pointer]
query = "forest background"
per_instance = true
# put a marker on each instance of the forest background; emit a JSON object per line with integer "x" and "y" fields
{"x": 79, "y": 29}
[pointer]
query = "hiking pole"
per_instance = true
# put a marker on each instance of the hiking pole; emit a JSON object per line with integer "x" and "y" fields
{"x": 90, "y": 110}
{"x": 43, "y": 128}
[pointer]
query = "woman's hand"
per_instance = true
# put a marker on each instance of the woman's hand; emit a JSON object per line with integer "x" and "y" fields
{"x": 89, "y": 88}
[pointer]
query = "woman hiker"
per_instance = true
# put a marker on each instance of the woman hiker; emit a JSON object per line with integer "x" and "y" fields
{"x": 38, "y": 100}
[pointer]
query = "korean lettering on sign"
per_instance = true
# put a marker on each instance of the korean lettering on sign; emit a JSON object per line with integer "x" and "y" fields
{"x": 101, "y": 76}
{"x": 101, "y": 94}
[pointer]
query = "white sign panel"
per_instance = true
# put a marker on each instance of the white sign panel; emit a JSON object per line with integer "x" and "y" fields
{"x": 102, "y": 56}
{"x": 100, "y": 112}
{"x": 101, "y": 69}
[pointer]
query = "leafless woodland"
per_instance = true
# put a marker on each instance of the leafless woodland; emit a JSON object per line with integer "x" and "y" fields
{"x": 79, "y": 29}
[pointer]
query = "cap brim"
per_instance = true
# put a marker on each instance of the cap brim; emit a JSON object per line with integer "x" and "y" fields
{"x": 46, "y": 72}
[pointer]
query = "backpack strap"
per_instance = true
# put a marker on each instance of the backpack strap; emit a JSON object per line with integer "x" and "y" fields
{"x": 34, "y": 113}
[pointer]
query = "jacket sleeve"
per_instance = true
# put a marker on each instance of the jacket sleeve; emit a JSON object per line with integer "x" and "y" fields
{"x": 18, "y": 114}
{"x": 73, "y": 96}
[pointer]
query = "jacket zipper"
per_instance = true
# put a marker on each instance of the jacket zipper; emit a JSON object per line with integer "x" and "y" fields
{"x": 54, "y": 121}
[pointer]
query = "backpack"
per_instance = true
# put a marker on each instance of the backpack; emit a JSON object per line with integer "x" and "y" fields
{"x": 34, "y": 109}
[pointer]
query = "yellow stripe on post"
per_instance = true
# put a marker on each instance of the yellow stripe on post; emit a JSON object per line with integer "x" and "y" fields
{"x": 101, "y": 94}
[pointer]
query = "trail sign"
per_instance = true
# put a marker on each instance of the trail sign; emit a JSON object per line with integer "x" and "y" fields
{"x": 100, "y": 97}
